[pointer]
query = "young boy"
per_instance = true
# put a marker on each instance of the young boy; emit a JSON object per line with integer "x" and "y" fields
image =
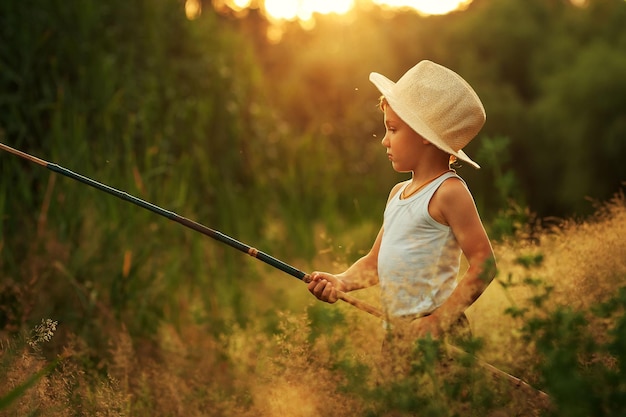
{"x": 430, "y": 114}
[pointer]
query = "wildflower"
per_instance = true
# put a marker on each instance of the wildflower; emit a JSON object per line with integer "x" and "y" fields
{"x": 42, "y": 332}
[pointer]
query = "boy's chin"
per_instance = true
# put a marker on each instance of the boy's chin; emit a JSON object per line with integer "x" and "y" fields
{"x": 400, "y": 169}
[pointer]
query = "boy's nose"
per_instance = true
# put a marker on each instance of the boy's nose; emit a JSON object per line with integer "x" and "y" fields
{"x": 385, "y": 141}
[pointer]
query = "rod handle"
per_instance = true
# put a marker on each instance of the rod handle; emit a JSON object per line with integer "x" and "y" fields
{"x": 361, "y": 305}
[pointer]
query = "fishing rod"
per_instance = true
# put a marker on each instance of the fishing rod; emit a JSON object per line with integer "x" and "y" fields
{"x": 255, "y": 253}
{"x": 221, "y": 237}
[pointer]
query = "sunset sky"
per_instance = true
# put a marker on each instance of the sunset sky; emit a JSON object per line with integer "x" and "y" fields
{"x": 303, "y": 10}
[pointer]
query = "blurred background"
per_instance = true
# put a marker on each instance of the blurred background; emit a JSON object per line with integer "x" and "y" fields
{"x": 257, "y": 119}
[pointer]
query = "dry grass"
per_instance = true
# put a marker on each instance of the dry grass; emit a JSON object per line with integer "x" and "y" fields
{"x": 583, "y": 261}
{"x": 307, "y": 364}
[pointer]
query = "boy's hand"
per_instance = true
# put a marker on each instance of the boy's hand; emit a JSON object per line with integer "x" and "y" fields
{"x": 324, "y": 286}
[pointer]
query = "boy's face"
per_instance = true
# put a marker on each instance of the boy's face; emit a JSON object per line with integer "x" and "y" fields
{"x": 402, "y": 142}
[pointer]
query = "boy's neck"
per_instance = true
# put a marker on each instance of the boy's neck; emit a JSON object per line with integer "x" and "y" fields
{"x": 427, "y": 171}
{"x": 417, "y": 183}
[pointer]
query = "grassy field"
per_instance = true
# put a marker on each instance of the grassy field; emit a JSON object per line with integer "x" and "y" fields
{"x": 554, "y": 317}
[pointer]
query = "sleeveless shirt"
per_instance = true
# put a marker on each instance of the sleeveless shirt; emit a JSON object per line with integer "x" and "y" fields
{"x": 419, "y": 258}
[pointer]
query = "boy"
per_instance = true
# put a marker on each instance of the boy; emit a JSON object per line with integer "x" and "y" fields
{"x": 430, "y": 114}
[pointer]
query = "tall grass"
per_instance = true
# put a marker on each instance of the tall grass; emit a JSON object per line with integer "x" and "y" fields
{"x": 538, "y": 321}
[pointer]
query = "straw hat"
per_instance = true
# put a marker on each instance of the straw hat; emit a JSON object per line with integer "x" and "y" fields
{"x": 438, "y": 104}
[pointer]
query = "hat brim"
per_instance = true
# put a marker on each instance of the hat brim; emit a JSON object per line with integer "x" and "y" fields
{"x": 386, "y": 88}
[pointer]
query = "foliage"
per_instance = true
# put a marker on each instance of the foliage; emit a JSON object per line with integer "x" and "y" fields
{"x": 546, "y": 71}
{"x": 514, "y": 214}
{"x": 278, "y": 144}
{"x": 581, "y": 355}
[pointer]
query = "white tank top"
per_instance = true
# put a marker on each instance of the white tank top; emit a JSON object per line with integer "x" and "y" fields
{"x": 419, "y": 258}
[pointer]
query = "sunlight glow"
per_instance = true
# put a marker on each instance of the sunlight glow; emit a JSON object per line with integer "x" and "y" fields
{"x": 242, "y": 3}
{"x": 431, "y": 7}
{"x": 281, "y": 10}
{"x": 193, "y": 8}
{"x": 303, "y": 11}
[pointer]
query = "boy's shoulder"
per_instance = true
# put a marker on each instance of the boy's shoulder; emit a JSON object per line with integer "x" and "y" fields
{"x": 452, "y": 199}
{"x": 396, "y": 189}
{"x": 452, "y": 187}
{"x": 451, "y": 192}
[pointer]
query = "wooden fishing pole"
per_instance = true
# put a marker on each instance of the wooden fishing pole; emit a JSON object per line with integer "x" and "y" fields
{"x": 262, "y": 256}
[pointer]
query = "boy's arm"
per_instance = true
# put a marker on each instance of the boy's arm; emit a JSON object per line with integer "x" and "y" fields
{"x": 361, "y": 274}
{"x": 455, "y": 207}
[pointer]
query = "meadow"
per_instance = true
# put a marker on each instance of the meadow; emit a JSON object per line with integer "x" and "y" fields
{"x": 108, "y": 309}
{"x": 554, "y": 317}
